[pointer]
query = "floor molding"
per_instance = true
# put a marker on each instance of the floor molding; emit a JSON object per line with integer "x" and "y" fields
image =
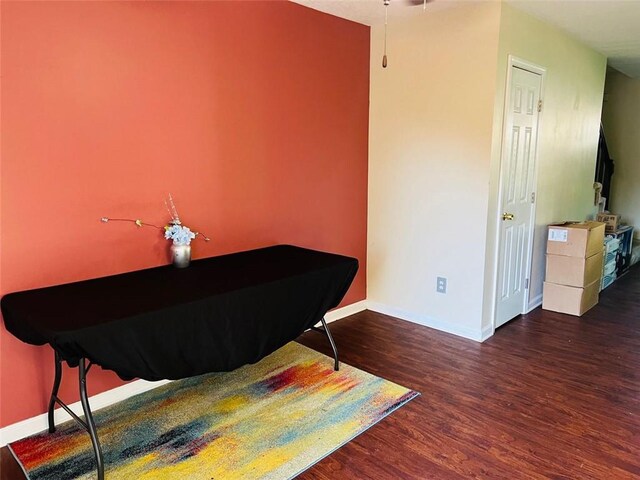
{"x": 486, "y": 332}
{"x": 36, "y": 424}
{"x": 427, "y": 321}
{"x": 33, "y": 425}
{"x": 342, "y": 312}
{"x": 534, "y": 303}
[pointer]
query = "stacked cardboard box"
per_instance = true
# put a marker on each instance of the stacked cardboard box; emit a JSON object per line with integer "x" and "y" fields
{"x": 574, "y": 267}
{"x": 611, "y": 219}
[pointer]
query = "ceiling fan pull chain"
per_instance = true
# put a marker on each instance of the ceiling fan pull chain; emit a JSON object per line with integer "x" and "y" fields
{"x": 384, "y": 57}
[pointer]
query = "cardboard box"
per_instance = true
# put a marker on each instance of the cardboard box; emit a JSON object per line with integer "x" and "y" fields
{"x": 571, "y": 300}
{"x": 574, "y": 271}
{"x": 574, "y": 239}
{"x": 611, "y": 219}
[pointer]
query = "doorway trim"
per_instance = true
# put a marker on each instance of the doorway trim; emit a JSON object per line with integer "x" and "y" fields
{"x": 512, "y": 62}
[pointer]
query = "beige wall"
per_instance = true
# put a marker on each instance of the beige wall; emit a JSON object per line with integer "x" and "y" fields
{"x": 429, "y": 149}
{"x": 434, "y": 156}
{"x": 568, "y": 137}
{"x": 621, "y": 120}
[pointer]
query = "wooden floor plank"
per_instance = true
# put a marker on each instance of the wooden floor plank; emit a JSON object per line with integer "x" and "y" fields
{"x": 548, "y": 396}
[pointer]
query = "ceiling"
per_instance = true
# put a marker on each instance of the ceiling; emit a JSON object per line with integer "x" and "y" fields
{"x": 371, "y": 12}
{"x": 612, "y": 27}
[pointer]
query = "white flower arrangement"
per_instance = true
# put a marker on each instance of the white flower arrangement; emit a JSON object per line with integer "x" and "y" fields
{"x": 180, "y": 234}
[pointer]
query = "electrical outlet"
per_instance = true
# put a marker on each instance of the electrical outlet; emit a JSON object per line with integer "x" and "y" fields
{"x": 441, "y": 286}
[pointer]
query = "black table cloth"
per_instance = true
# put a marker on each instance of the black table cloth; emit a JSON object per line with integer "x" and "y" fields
{"x": 166, "y": 323}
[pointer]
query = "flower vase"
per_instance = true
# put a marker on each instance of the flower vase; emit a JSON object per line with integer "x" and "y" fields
{"x": 181, "y": 255}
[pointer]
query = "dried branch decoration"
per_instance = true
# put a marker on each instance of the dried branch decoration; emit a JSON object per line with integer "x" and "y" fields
{"x": 175, "y": 219}
{"x": 175, "y": 226}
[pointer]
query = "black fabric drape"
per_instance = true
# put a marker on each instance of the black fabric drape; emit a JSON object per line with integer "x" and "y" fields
{"x": 165, "y": 323}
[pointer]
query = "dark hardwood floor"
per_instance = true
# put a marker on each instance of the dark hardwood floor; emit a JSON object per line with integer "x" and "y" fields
{"x": 548, "y": 396}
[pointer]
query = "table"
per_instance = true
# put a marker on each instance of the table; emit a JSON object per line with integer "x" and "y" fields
{"x": 166, "y": 323}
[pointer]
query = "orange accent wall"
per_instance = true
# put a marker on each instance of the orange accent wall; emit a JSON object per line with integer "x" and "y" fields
{"x": 254, "y": 115}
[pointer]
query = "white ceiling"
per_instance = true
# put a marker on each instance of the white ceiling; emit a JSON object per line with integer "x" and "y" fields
{"x": 611, "y": 27}
{"x": 371, "y": 12}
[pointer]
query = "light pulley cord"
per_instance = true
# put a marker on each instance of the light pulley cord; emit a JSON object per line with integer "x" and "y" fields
{"x": 384, "y": 57}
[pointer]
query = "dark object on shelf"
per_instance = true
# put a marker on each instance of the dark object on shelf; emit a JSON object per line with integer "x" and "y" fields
{"x": 167, "y": 323}
{"x": 625, "y": 234}
{"x": 604, "y": 167}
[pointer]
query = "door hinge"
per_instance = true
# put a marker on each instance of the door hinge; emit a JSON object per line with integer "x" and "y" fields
{"x": 539, "y": 106}
{"x": 533, "y": 197}
{"x": 526, "y": 283}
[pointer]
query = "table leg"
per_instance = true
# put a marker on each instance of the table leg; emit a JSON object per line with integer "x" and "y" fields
{"x": 336, "y": 365}
{"x": 54, "y": 392}
{"x": 82, "y": 367}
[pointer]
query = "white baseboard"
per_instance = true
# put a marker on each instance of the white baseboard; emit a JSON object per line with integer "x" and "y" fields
{"x": 37, "y": 424}
{"x": 339, "y": 313}
{"x": 427, "y": 321}
{"x": 534, "y": 303}
{"x": 33, "y": 425}
{"x": 486, "y": 332}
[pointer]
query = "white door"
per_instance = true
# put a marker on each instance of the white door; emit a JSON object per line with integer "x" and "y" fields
{"x": 517, "y": 193}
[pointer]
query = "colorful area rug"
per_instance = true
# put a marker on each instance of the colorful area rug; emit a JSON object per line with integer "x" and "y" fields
{"x": 271, "y": 420}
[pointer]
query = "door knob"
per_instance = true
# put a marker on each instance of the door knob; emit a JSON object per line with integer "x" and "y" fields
{"x": 507, "y": 216}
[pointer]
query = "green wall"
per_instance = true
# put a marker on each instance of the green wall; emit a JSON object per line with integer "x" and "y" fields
{"x": 621, "y": 120}
{"x": 568, "y": 137}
